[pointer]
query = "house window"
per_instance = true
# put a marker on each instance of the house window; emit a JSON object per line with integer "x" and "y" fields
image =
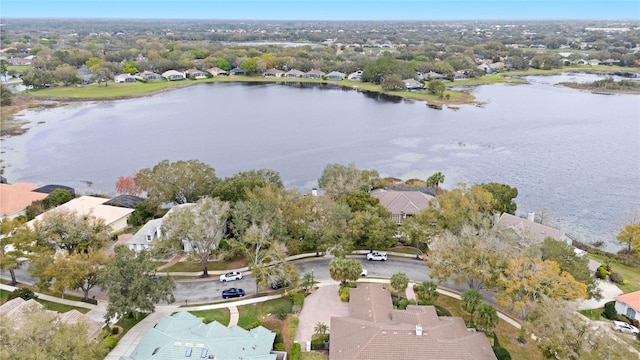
{"x": 149, "y": 238}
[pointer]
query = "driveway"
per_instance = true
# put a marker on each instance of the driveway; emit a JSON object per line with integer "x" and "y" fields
{"x": 320, "y": 307}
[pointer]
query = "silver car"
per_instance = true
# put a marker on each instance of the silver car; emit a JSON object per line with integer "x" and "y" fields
{"x": 230, "y": 276}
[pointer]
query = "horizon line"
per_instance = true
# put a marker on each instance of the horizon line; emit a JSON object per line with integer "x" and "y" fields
{"x": 310, "y": 20}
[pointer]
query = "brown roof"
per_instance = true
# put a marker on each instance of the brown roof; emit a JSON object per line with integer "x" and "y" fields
{"x": 631, "y": 299}
{"x": 16, "y": 197}
{"x": 393, "y": 336}
{"x": 523, "y": 227}
{"x": 403, "y": 202}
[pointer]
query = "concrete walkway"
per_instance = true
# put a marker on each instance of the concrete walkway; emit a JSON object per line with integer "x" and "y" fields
{"x": 320, "y": 306}
{"x": 53, "y": 298}
{"x": 234, "y": 316}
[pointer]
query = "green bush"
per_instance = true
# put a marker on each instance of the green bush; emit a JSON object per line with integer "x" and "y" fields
{"x": 501, "y": 353}
{"x": 281, "y": 312}
{"x": 279, "y": 347}
{"x": 25, "y": 293}
{"x": 344, "y": 294}
{"x": 442, "y": 311}
{"x": 296, "y": 352}
{"x": 616, "y": 277}
{"x": 318, "y": 344}
{"x": 601, "y": 272}
{"x": 610, "y": 310}
{"x": 255, "y": 324}
{"x": 114, "y": 330}
{"x": 297, "y": 298}
{"x": 279, "y": 338}
{"x": 110, "y": 342}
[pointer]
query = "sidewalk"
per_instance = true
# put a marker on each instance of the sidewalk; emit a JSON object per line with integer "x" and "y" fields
{"x": 53, "y": 298}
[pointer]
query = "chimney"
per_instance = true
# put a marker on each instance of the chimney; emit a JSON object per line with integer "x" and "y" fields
{"x": 531, "y": 216}
{"x": 314, "y": 192}
{"x": 418, "y": 329}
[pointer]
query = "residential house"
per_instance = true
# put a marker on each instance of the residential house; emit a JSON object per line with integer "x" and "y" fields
{"x": 411, "y": 84}
{"x": 195, "y": 74}
{"x": 19, "y": 61}
{"x": 149, "y": 75}
{"x": 406, "y": 202}
{"x": 48, "y": 189}
{"x": 273, "y": 73}
{"x": 336, "y": 75}
{"x": 293, "y": 73}
{"x": 594, "y": 62}
{"x": 143, "y": 238}
{"x": 15, "y": 310}
{"x": 460, "y": 75}
{"x": 216, "y": 71}
{"x": 14, "y": 198}
{"x": 173, "y": 75}
{"x": 528, "y": 230}
{"x": 114, "y": 216}
{"x": 355, "y": 76}
{"x": 484, "y": 67}
{"x": 237, "y": 72}
{"x": 124, "y": 78}
{"x": 629, "y": 305}
{"x": 314, "y": 74}
{"x": 611, "y": 62}
{"x": 434, "y": 76}
{"x": 85, "y": 75}
{"x": 374, "y": 330}
{"x": 125, "y": 201}
{"x": 184, "y": 336}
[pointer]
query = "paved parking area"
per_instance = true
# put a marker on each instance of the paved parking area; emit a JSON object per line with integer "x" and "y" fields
{"x": 320, "y": 307}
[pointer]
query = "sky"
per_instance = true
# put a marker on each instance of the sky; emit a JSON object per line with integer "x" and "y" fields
{"x": 326, "y": 9}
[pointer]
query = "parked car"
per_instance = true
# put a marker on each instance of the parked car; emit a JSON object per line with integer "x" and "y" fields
{"x": 364, "y": 272}
{"x": 377, "y": 256}
{"x": 230, "y": 276}
{"x": 624, "y": 327}
{"x": 277, "y": 284}
{"x": 232, "y": 293}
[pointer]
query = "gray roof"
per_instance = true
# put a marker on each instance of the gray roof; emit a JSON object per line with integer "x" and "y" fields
{"x": 128, "y": 201}
{"x": 534, "y": 231}
{"x": 403, "y": 201}
{"x": 150, "y": 228}
{"x": 174, "y": 335}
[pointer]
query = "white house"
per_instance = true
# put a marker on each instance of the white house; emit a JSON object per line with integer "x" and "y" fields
{"x": 142, "y": 240}
{"x": 124, "y": 78}
{"x": 629, "y": 305}
{"x": 173, "y": 75}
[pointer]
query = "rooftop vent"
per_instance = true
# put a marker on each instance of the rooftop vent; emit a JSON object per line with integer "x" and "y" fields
{"x": 418, "y": 329}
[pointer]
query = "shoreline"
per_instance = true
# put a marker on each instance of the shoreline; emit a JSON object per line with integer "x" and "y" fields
{"x": 600, "y": 91}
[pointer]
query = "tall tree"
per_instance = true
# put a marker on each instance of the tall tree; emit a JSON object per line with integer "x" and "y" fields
{"x": 200, "y": 226}
{"x": 338, "y": 180}
{"x": 5, "y": 96}
{"x": 343, "y": 270}
{"x": 399, "y": 282}
{"x": 470, "y": 298}
{"x": 503, "y": 195}
{"x": 485, "y": 317}
{"x": 526, "y": 281}
{"x": 180, "y": 182}
{"x": 426, "y": 292}
{"x": 67, "y": 74}
{"x": 235, "y": 188}
{"x": 132, "y": 284}
{"x": 126, "y": 185}
{"x": 70, "y": 231}
{"x": 630, "y": 235}
{"x": 464, "y": 205}
{"x": 15, "y": 242}
{"x": 373, "y": 228}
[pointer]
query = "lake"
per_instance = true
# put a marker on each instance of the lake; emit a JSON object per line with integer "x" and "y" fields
{"x": 570, "y": 153}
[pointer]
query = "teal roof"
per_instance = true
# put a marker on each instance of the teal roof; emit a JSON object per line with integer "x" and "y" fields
{"x": 182, "y": 334}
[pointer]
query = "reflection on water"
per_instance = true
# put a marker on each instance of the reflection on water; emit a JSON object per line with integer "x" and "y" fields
{"x": 568, "y": 151}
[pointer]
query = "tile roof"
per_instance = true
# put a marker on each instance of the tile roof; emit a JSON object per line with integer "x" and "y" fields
{"x": 523, "y": 227}
{"x": 631, "y": 299}
{"x": 403, "y": 202}
{"x": 174, "y": 335}
{"x": 394, "y": 336}
{"x": 16, "y": 197}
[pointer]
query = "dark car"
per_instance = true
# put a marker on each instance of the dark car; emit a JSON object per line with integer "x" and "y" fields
{"x": 278, "y": 284}
{"x": 232, "y": 293}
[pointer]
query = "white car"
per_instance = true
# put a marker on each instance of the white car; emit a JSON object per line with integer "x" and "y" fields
{"x": 624, "y": 327}
{"x": 364, "y": 272}
{"x": 230, "y": 276}
{"x": 377, "y": 256}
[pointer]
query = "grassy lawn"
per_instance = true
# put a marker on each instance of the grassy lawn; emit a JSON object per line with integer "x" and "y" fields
{"x": 220, "y": 315}
{"x": 17, "y": 68}
{"x": 313, "y": 356}
{"x": 113, "y": 90}
{"x": 488, "y": 79}
{"x": 593, "y": 314}
{"x": 252, "y": 312}
{"x": 128, "y": 323}
{"x": 49, "y": 305}
{"x": 630, "y": 273}
{"x": 506, "y": 332}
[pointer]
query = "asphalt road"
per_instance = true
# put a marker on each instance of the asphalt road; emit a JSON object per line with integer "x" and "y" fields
{"x": 210, "y": 289}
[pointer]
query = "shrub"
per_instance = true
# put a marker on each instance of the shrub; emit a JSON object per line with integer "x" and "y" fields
{"x": 110, "y": 342}
{"x": 297, "y": 298}
{"x": 344, "y": 294}
{"x": 281, "y": 312}
{"x": 279, "y": 347}
{"x": 610, "y": 310}
{"x": 442, "y": 311}
{"x": 255, "y": 324}
{"x": 25, "y": 293}
{"x": 296, "y": 352}
{"x": 601, "y": 272}
{"x": 616, "y": 277}
{"x": 501, "y": 353}
{"x": 278, "y": 338}
{"x": 318, "y": 344}
{"x": 114, "y": 330}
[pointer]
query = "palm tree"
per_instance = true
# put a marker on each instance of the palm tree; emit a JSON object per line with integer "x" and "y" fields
{"x": 320, "y": 328}
{"x": 470, "y": 300}
{"x": 399, "y": 282}
{"x": 435, "y": 180}
{"x": 426, "y": 292}
{"x": 485, "y": 317}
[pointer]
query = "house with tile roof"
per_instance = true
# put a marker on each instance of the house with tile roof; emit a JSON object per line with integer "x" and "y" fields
{"x": 273, "y": 73}
{"x": 527, "y": 229}
{"x": 173, "y": 75}
{"x": 14, "y": 198}
{"x": 293, "y": 73}
{"x": 375, "y": 331}
{"x": 114, "y": 216}
{"x": 313, "y": 74}
{"x": 403, "y": 203}
{"x": 216, "y": 71}
{"x": 629, "y": 305}
{"x": 184, "y": 336}
{"x": 336, "y": 75}
{"x": 14, "y": 309}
